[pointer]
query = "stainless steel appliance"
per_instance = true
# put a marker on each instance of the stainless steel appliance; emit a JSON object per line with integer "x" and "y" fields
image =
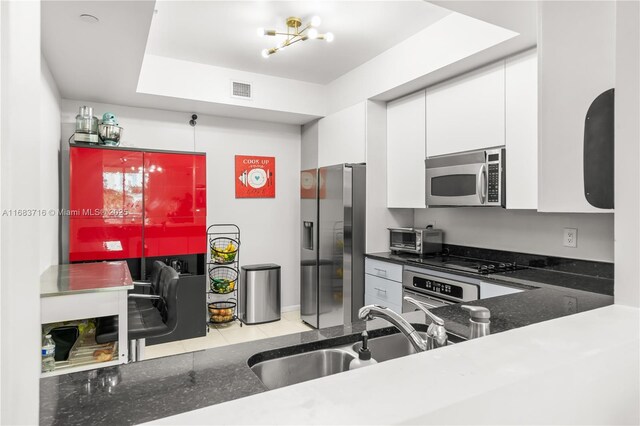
{"x": 475, "y": 178}
{"x": 259, "y": 293}
{"x": 417, "y": 241}
{"x": 435, "y": 288}
{"x": 86, "y": 126}
{"x": 332, "y": 244}
{"x": 109, "y": 130}
{"x": 482, "y": 267}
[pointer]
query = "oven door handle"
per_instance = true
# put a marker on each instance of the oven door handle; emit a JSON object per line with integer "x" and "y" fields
{"x": 482, "y": 184}
{"x": 426, "y": 299}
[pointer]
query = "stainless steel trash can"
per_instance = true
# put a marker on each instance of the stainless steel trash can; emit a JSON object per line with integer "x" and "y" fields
{"x": 259, "y": 293}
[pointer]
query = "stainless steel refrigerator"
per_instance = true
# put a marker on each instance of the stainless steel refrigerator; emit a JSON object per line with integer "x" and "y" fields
{"x": 332, "y": 244}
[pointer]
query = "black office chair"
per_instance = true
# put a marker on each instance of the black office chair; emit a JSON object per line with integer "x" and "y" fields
{"x": 140, "y": 287}
{"x": 150, "y": 287}
{"x": 147, "y": 287}
{"x": 146, "y": 322}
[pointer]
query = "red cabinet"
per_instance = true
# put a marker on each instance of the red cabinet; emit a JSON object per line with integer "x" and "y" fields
{"x": 175, "y": 204}
{"x": 132, "y": 204}
{"x": 105, "y": 203}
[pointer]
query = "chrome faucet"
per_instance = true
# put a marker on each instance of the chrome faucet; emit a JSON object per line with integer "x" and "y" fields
{"x": 436, "y": 336}
{"x": 436, "y": 333}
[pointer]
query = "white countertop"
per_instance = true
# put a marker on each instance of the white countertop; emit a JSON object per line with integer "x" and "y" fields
{"x": 583, "y": 368}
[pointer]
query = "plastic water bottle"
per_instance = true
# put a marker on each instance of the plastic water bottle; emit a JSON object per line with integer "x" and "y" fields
{"x": 48, "y": 353}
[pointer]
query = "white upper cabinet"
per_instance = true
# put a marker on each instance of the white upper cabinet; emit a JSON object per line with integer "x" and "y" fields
{"x": 342, "y": 136}
{"x": 576, "y": 54}
{"x": 406, "y": 152}
{"x": 521, "y": 93}
{"x": 467, "y": 113}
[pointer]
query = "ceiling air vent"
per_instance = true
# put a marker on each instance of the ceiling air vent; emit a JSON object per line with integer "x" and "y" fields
{"x": 240, "y": 89}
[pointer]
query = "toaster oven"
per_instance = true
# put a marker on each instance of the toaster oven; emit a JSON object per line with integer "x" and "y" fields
{"x": 415, "y": 240}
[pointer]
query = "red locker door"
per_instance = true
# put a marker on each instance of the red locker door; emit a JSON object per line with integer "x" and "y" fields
{"x": 174, "y": 204}
{"x": 105, "y": 200}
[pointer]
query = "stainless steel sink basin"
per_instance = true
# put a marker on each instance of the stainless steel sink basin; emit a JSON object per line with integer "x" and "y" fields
{"x": 389, "y": 347}
{"x": 395, "y": 346}
{"x": 288, "y": 370}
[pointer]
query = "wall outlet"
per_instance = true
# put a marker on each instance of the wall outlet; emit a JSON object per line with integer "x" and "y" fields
{"x": 570, "y": 237}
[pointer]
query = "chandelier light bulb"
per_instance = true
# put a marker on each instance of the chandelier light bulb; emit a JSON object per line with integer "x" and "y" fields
{"x": 296, "y": 31}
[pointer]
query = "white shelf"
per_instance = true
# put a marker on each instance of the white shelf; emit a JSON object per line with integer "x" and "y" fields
{"x": 76, "y": 368}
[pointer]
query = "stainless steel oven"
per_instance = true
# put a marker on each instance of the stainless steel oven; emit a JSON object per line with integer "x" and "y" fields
{"x": 436, "y": 288}
{"x": 475, "y": 178}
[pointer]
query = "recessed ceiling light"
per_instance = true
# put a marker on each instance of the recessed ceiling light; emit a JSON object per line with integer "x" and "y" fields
{"x": 90, "y": 19}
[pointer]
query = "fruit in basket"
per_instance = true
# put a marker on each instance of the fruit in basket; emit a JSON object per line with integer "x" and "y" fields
{"x": 222, "y": 285}
{"x": 225, "y": 255}
{"x": 221, "y": 318}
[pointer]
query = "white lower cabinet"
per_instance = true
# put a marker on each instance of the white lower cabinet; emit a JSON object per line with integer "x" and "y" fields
{"x": 383, "y": 291}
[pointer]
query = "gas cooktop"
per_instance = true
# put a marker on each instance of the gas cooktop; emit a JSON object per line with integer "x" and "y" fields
{"x": 483, "y": 267}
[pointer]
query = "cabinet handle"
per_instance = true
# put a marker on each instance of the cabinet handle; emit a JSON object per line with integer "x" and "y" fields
{"x": 382, "y": 272}
{"x": 381, "y": 290}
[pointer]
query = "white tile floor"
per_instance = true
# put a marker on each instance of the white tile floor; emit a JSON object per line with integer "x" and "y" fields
{"x": 227, "y": 334}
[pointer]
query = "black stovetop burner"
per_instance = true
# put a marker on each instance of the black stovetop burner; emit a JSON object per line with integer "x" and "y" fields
{"x": 483, "y": 267}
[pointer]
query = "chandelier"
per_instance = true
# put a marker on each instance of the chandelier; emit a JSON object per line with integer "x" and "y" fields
{"x": 295, "y": 32}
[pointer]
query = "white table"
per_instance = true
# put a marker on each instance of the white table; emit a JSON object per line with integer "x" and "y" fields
{"x": 87, "y": 290}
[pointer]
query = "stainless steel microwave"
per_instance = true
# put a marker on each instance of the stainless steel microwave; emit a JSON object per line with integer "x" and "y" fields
{"x": 416, "y": 241}
{"x": 475, "y": 178}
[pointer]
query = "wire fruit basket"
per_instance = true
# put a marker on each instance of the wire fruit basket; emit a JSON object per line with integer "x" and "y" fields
{"x": 221, "y": 312}
{"x": 223, "y": 267}
{"x": 223, "y": 250}
{"x": 223, "y": 279}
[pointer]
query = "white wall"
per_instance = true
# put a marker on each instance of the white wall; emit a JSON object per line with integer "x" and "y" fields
{"x": 269, "y": 227}
{"x": 379, "y": 217}
{"x": 627, "y": 155}
{"x": 309, "y": 148}
{"x": 523, "y": 231}
{"x": 20, "y": 154}
{"x": 49, "y": 174}
{"x": 190, "y": 80}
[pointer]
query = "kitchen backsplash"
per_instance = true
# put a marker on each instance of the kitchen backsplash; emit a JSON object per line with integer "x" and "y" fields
{"x": 523, "y": 231}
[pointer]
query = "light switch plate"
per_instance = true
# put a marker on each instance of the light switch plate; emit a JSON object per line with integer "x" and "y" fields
{"x": 570, "y": 237}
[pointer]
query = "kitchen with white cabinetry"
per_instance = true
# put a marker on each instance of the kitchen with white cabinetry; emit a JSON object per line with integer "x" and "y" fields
{"x": 383, "y": 284}
{"x": 577, "y": 58}
{"x": 406, "y": 127}
{"x": 467, "y": 112}
{"x": 493, "y": 291}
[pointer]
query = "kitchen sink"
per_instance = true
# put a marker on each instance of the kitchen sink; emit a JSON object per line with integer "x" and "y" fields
{"x": 288, "y": 370}
{"x": 313, "y": 364}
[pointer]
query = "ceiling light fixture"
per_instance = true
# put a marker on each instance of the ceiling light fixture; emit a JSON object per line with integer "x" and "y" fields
{"x": 295, "y": 32}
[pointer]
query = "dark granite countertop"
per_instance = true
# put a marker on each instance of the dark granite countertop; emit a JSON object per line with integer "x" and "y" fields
{"x": 544, "y": 273}
{"x": 162, "y": 387}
